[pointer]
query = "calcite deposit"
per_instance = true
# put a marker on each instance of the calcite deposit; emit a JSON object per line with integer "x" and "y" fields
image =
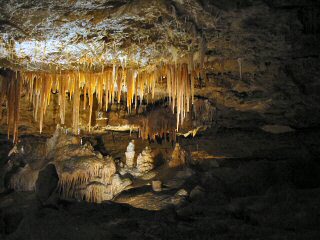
{"x": 178, "y": 157}
{"x": 145, "y": 161}
{"x": 130, "y": 155}
{"x": 83, "y": 174}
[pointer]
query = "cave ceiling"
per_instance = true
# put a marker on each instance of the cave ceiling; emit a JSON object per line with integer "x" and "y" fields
{"x": 50, "y": 35}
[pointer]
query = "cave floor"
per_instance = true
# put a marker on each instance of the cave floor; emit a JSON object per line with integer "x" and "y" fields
{"x": 241, "y": 184}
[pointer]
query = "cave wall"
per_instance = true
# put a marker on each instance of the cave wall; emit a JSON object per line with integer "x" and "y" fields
{"x": 277, "y": 42}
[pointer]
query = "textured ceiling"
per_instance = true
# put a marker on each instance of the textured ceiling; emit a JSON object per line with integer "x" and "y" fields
{"x": 67, "y": 34}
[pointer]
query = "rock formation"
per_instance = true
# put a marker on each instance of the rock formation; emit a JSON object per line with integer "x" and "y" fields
{"x": 235, "y": 82}
{"x": 178, "y": 157}
{"x": 145, "y": 161}
{"x": 83, "y": 173}
{"x": 24, "y": 179}
{"x": 130, "y": 155}
{"x": 46, "y": 184}
{"x": 157, "y": 186}
{"x": 143, "y": 164}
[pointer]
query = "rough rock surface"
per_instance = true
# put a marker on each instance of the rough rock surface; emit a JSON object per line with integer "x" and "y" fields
{"x": 82, "y": 173}
{"x": 24, "y": 179}
{"x": 262, "y": 56}
{"x": 130, "y": 155}
{"x": 265, "y": 186}
{"x": 145, "y": 161}
{"x": 178, "y": 157}
{"x": 140, "y": 166}
{"x": 47, "y": 183}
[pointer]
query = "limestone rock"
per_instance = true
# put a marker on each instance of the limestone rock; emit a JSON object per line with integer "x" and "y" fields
{"x": 75, "y": 170}
{"x": 3, "y": 171}
{"x": 84, "y": 174}
{"x": 182, "y": 192}
{"x": 276, "y": 129}
{"x": 98, "y": 192}
{"x": 118, "y": 184}
{"x": 86, "y": 178}
{"x": 25, "y": 179}
{"x": 130, "y": 155}
{"x": 197, "y": 193}
{"x": 145, "y": 161}
{"x": 157, "y": 186}
{"x": 47, "y": 183}
{"x": 178, "y": 157}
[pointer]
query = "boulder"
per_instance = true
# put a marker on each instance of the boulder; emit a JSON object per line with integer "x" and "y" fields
{"x": 197, "y": 193}
{"x": 157, "y": 186}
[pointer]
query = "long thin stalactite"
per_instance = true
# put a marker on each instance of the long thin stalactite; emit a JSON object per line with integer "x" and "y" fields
{"x": 107, "y": 86}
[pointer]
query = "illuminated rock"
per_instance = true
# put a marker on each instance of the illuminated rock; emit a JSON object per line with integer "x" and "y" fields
{"x": 157, "y": 186}
{"x": 83, "y": 174}
{"x": 145, "y": 161}
{"x": 178, "y": 157}
{"x": 130, "y": 155}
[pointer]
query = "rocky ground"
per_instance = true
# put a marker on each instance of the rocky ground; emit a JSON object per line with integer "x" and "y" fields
{"x": 238, "y": 184}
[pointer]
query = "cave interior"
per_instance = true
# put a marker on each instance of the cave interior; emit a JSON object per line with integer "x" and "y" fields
{"x": 159, "y": 119}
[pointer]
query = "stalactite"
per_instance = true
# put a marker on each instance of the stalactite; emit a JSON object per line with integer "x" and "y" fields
{"x": 71, "y": 181}
{"x": 158, "y": 123}
{"x": 10, "y": 92}
{"x": 44, "y": 93}
{"x": 91, "y": 89}
{"x": 76, "y": 105}
{"x": 119, "y": 78}
{"x": 62, "y": 98}
{"x": 191, "y": 69}
{"x": 130, "y": 75}
{"x": 3, "y": 87}
{"x": 106, "y": 85}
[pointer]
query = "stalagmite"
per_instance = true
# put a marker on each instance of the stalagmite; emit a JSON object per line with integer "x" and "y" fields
{"x": 178, "y": 157}
{"x": 145, "y": 161}
{"x": 130, "y": 154}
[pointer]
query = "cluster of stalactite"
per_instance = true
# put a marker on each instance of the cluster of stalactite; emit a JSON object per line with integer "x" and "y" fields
{"x": 158, "y": 123}
{"x": 76, "y": 184}
{"x": 10, "y": 87}
{"x": 107, "y": 86}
